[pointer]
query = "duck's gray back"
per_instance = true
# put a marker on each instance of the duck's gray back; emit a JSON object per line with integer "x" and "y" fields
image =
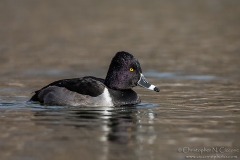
{"x": 54, "y": 95}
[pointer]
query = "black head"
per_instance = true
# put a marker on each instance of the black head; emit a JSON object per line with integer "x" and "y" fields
{"x": 125, "y": 72}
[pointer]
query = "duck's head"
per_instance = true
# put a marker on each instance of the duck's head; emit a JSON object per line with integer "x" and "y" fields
{"x": 125, "y": 72}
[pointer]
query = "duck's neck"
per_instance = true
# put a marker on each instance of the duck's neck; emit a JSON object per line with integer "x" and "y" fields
{"x": 107, "y": 82}
{"x": 112, "y": 80}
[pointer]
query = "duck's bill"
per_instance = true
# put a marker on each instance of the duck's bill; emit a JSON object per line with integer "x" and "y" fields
{"x": 145, "y": 84}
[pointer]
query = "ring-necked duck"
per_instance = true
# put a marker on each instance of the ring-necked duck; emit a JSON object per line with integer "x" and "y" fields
{"x": 124, "y": 73}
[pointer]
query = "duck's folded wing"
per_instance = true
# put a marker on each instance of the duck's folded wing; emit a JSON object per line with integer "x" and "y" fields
{"x": 91, "y": 86}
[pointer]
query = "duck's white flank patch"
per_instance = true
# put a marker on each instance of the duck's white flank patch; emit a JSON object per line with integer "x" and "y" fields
{"x": 151, "y": 87}
{"x": 107, "y": 98}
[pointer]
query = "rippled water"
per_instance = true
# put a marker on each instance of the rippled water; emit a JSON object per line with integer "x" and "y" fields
{"x": 186, "y": 113}
{"x": 189, "y": 49}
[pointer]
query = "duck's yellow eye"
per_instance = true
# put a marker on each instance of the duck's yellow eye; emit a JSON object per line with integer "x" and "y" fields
{"x": 131, "y": 69}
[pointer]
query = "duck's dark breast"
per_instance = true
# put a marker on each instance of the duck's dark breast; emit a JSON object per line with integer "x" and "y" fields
{"x": 124, "y": 97}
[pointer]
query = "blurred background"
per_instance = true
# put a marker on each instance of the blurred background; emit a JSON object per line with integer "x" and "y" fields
{"x": 200, "y": 37}
{"x": 188, "y": 48}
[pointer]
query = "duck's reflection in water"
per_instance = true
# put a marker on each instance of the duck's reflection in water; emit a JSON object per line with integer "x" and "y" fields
{"x": 106, "y": 131}
{"x": 118, "y": 124}
{"x": 112, "y": 124}
{"x": 123, "y": 129}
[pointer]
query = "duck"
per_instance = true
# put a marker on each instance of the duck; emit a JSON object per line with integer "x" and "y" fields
{"x": 123, "y": 74}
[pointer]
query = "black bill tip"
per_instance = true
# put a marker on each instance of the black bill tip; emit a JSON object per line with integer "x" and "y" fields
{"x": 156, "y": 89}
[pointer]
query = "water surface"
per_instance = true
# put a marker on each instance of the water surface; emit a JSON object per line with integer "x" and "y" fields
{"x": 189, "y": 49}
{"x": 186, "y": 113}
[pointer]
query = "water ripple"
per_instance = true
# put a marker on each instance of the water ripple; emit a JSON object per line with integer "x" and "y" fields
{"x": 172, "y": 75}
